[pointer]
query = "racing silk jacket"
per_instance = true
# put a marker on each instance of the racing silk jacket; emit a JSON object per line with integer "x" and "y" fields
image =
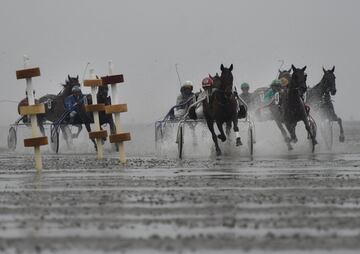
{"x": 269, "y": 95}
{"x": 71, "y": 102}
{"x": 182, "y": 99}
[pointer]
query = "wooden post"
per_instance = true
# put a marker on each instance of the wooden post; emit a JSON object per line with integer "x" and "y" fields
{"x": 31, "y": 111}
{"x": 98, "y": 134}
{"x": 116, "y": 109}
{"x": 114, "y": 100}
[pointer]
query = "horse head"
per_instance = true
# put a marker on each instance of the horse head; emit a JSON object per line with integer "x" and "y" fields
{"x": 102, "y": 94}
{"x": 227, "y": 79}
{"x": 328, "y": 80}
{"x": 298, "y": 79}
{"x": 70, "y": 83}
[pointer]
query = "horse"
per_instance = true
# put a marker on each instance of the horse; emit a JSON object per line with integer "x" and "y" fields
{"x": 55, "y": 109}
{"x": 103, "y": 98}
{"x": 292, "y": 109}
{"x": 54, "y": 104}
{"x": 319, "y": 97}
{"x": 222, "y": 107}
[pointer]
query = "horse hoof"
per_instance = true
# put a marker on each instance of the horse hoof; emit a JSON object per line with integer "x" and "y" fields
{"x": 290, "y": 148}
{"x": 238, "y": 142}
{"x": 222, "y": 138}
{"x": 342, "y": 139}
{"x": 294, "y": 140}
{"x": 218, "y": 153}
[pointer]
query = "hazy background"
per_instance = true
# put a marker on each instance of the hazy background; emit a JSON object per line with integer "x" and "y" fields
{"x": 146, "y": 38}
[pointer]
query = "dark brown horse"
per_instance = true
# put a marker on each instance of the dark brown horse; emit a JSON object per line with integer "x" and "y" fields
{"x": 54, "y": 104}
{"x": 292, "y": 109}
{"x": 319, "y": 98}
{"x": 222, "y": 107}
{"x": 55, "y": 109}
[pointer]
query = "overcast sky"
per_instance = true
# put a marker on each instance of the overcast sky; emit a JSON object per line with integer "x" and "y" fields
{"x": 145, "y": 39}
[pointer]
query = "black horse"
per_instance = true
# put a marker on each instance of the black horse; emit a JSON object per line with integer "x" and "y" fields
{"x": 291, "y": 108}
{"x": 222, "y": 107}
{"x": 319, "y": 98}
{"x": 54, "y": 104}
{"x": 55, "y": 109}
{"x": 295, "y": 109}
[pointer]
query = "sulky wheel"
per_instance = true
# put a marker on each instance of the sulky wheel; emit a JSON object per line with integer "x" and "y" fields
{"x": 251, "y": 141}
{"x": 12, "y": 138}
{"x": 313, "y": 130}
{"x": 180, "y": 141}
{"x": 54, "y": 138}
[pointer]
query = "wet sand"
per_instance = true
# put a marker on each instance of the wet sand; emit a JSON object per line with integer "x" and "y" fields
{"x": 78, "y": 204}
{"x": 290, "y": 202}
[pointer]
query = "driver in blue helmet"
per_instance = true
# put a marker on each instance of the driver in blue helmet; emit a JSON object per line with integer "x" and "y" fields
{"x": 73, "y": 103}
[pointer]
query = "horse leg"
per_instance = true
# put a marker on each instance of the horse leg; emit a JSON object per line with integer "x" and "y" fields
{"x": 222, "y": 136}
{"x": 42, "y": 129}
{"x": 236, "y": 130}
{"x": 308, "y": 129}
{"x": 210, "y": 125}
{"x": 41, "y": 125}
{"x": 113, "y": 131}
{"x": 66, "y": 136}
{"x": 76, "y": 135}
{"x": 337, "y": 119}
{"x": 285, "y": 135}
{"x": 342, "y": 136}
{"x": 228, "y": 128}
{"x": 88, "y": 128}
{"x": 291, "y": 129}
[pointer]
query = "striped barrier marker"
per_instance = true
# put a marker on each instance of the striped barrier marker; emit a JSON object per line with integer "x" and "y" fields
{"x": 95, "y": 108}
{"x": 120, "y": 137}
{"x": 32, "y": 110}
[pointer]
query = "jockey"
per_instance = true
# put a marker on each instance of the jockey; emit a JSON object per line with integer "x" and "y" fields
{"x": 245, "y": 95}
{"x": 198, "y": 111}
{"x": 274, "y": 88}
{"x": 73, "y": 101}
{"x": 284, "y": 82}
{"x": 185, "y": 99}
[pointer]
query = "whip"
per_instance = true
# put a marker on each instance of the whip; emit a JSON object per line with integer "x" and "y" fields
{"x": 177, "y": 72}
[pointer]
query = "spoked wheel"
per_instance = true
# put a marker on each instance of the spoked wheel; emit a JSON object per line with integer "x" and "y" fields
{"x": 54, "y": 138}
{"x": 180, "y": 140}
{"x": 12, "y": 138}
{"x": 251, "y": 140}
{"x": 326, "y": 129}
{"x": 313, "y": 129}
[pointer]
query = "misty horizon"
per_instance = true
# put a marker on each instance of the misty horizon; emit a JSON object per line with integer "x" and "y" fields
{"x": 145, "y": 39}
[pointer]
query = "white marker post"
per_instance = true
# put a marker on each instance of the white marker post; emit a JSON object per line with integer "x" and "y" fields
{"x": 98, "y": 134}
{"x": 32, "y": 110}
{"x": 116, "y": 109}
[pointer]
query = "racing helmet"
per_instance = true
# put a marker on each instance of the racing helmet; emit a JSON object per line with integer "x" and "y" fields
{"x": 207, "y": 82}
{"x": 245, "y": 86}
{"x": 76, "y": 89}
{"x": 187, "y": 84}
{"x": 275, "y": 83}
